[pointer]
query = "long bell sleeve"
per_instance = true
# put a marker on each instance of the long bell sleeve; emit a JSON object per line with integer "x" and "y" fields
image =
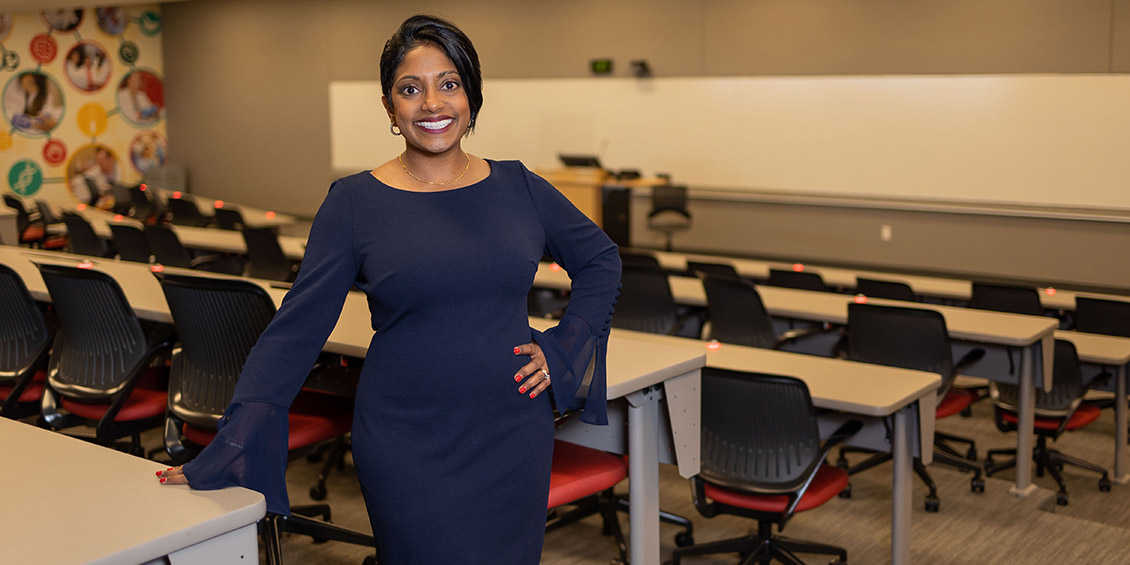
{"x": 250, "y": 449}
{"x": 578, "y": 344}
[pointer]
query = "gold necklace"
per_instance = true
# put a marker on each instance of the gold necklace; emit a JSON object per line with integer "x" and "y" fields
{"x": 465, "y": 169}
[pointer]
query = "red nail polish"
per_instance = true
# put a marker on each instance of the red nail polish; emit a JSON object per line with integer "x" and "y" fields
{"x": 162, "y": 479}
{"x": 533, "y": 394}
{"x": 518, "y": 377}
{"x": 159, "y": 473}
{"x": 522, "y": 389}
{"x": 517, "y": 350}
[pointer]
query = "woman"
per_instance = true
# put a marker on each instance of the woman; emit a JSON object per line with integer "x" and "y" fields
{"x": 133, "y": 100}
{"x": 453, "y": 456}
{"x": 32, "y": 104}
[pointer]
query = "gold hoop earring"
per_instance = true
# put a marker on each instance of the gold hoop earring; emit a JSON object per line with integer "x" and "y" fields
{"x": 393, "y": 129}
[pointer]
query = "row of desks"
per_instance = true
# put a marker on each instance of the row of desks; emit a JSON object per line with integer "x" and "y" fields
{"x": 653, "y": 391}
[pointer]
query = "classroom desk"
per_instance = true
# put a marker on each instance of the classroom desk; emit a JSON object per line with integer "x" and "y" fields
{"x": 70, "y": 501}
{"x": 9, "y": 228}
{"x": 641, "y": 373}
{"x": 875, "y": 394}
{"x": 1108, "y": 351}
{"x": 935, "y": 287}
{"x": 253, "y": 217}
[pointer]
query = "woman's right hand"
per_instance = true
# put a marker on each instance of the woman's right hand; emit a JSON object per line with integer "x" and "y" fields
{"x": 173, "y": 476}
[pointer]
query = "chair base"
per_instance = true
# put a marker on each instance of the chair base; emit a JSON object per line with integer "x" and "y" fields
{"x": 1050, "y": 461}
{"x": 942, "y": 455}
{"x": 605, "y": 504}
{"x": 300, "y": 522}
{"x": 762, "y": 548}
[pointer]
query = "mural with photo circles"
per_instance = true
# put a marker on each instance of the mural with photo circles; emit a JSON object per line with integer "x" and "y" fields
{"x": 83, "y": 103}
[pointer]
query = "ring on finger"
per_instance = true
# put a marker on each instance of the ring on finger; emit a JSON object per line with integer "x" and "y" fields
{"x": 546, "y": 373}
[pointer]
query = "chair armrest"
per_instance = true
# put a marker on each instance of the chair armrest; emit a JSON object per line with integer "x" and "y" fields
{"x": 797, "y": 333}
{"x": 967, "y": 360}
{"x": 842, "y": 434}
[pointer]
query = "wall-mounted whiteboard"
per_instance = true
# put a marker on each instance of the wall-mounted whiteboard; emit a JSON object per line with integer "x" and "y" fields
{"x": 1057, "y": 140}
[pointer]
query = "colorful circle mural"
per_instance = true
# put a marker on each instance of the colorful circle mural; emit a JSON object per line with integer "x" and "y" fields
{"x": 63, "y": 19}
{"x": 33, "y": 103}
{"x": 111, "y": 19}
{"x": 147, "y": 151}
{"x": 91, "y": 174}
{"x": 88, "y": 66}
{"x": 141, "y": 97}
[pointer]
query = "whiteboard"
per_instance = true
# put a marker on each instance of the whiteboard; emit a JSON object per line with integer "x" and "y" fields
{"x": 1029, "y": 139}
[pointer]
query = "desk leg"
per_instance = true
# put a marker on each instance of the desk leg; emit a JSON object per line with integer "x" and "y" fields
{"x": 1120, "y": 471}
{"x": 901, "y": 455}
{"x": 1025, "y": 427}
{"x": 643, "y": 476}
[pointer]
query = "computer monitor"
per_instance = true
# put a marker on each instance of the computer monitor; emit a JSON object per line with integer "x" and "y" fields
{"x": 580, "y": 160}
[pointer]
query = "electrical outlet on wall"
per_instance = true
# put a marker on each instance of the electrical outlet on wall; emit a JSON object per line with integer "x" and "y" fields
{"x": 885, "y": 232}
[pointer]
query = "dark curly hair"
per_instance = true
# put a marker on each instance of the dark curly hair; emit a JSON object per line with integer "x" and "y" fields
{"x": 432, "y": 30}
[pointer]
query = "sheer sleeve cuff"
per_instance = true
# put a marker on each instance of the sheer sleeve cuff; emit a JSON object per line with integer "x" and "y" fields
{"x": 250, "y": 450}
{"x": 573, "y": 353}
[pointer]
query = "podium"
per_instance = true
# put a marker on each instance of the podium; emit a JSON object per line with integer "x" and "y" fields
{"x": 600, "y": 196}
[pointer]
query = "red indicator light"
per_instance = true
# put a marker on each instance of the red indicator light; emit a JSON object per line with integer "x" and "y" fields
{"x": 860, "y": 299}
{"x": 554, "y": 267}
{"x": 798, "y": 267}
{"x": 270, "y": 215}
{"x": 143, "y": 187}
{"x": 1049, "y": 291}
{"x": 218, "y": 203}
{"x": 176, "y": 194}
{"x": 118, "y": 217}
{"x": 85, "y": 264}
{"x": 157, "y": 268}
{"x": 714, "y": 345}
{"x": 81, "y": 206}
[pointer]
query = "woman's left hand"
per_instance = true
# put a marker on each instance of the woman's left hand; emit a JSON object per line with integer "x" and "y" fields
{"x": 535, "y": 373}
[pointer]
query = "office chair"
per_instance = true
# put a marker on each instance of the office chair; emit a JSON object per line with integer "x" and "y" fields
{"x": 1006, "y": 298}
{"x": 83, "y": 239}
{"x": 762, "y": 459}
{"x": 738, "y": 316}
{"x": 265, "y": 256}
{"x": 645, "y": 259}
{"x": 229, "y": 219}
{"x": 796, "y": 279}
{"x": 142, "y": 207}
{"x": 1101, "y": 316}
{"x": 219, "y": 321}
{"x": 723, "y": 269}
{"x": 131, "y": 243}
{"x": 645, "y": 302}
{"x": 33, "y": 231}
{"x": 913, "y": 338}
{"x": 582, "y": 478}
{"x": 168, "y": 250}
{"x": 668, "y": 211}
{"x": 46, "y": 213}
{"x": 24, "y": 344}
{"x": 890, "y": 290}
{"x": 101, "y": 371}
{"x": 1058, "y": 410}
{"x": 185, "y": 213}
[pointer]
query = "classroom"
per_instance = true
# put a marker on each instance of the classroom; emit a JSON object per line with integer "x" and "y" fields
{"x": 906, "y": 213}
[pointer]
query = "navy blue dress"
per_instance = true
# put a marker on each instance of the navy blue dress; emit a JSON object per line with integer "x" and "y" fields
{"x": 453, "y": 461}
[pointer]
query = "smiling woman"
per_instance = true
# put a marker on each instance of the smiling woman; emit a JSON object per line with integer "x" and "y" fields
{"x": 453, "y": 457}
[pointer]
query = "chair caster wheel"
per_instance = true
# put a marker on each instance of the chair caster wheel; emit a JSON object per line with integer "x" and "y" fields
{"x": 932, "y": 504}
{"x": 977, "y": 485}
{"x": 842, "y": 462}
{"x": 684, "y": 539}
{"x": 971, "y": 454}
{"x": 1104, "y": 484}
{"x": 318, "y": 492}
{"x": 370, "y": 560}
{"x": 966, "y": 412}
{"x": 1061, "y": 498}
{"x": 846, "y": 493}
{"x": 988, "y": 466}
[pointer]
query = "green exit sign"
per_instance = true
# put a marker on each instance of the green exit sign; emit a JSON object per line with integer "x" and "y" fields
{"x": 601, "y": 66}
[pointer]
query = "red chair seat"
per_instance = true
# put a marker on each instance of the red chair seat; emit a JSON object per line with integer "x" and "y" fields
{"x": 32, "y": 233}
{"x": 142, "y": 403}
{"x": 1086, "y": 414}
{"x": 55, "y": 242}
{"x": 32, "y": 393}
{"x": 829, "y": 481}
{"x": 955, "y": 400}
{"x": 580, "y": 471}
{"x": 313, "y": 418}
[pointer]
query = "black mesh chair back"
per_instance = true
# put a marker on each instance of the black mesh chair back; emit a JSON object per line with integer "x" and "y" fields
{"x": 166, "y": 247}
{"x": 15, "y": 204}
{"x": 131, "y": 243}
{"x": 669, "y": 198}
{"x": 794, "y": 279}
{"x": 218, "y": 322}
{"x": 736, "y": 312}
{"x": 100, "y": 343}
{"x": 645, "y": 302}
{"x": 83, "y": 239}
{"x": 759, "y": 432}
{"x": 645, "y": 259}
{"x": 24, "y": 336}
{"x": 46, "y": 213}
{"x": 694, "y": 267}
{"x": 890, "y": 290}
{"x": 910, "y": 338}
{"x": 185, "y": 212}
{"x": 1067, "y": 390}
{"x": 141, "y": 207}
{"x": 1006, "y": 298}
{"x": 229, "y": 219}
{"x": 1100, "y": 316}
{"x": 265, "y": 256}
